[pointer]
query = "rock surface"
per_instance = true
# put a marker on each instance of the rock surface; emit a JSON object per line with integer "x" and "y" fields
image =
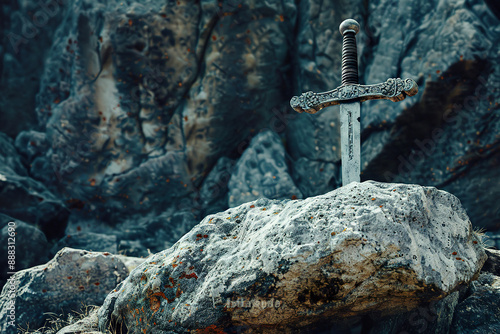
{"x": 492, "y": 264}
{"x": 364, "y": 248}
{"x": 71, "y": 280}
{"x": 262, "y": 172}
{"x": 480, "y": 312}
{"x": 31, "y": 246}
{"x": 25, "y": 198}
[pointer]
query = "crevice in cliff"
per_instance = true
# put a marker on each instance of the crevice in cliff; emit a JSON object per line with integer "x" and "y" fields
{"x": 438, "y": 103}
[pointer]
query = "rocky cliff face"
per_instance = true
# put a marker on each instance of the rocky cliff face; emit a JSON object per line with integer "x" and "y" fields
{"x": 141, "y": 117}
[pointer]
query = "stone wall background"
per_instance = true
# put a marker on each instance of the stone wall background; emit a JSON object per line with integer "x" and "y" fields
{"x": 124, "y": 123}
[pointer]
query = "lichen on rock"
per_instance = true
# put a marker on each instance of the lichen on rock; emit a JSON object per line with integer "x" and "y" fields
{"x": 367, "y": 247}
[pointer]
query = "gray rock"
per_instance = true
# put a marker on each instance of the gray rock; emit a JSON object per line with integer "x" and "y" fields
{"x": 87, "y": 325}
{"x": 262, "y": 172}
{"x": 214, "y": 190}
{"x": 26, "y": 199}
{"x": 492, "y": 264}
{"x": 27, "y": 35}
{"x": 315, "y": 177}
{"x": 362, "y": 248}
{"x": 434, "y": 317}
{"x": 71, "y": 280}
{"x": 31, "y": 144}
{"x": 31, "y": 246}
{"x": 93, "y": 242}
{"x": 479, "y": 313}
{"x": 10, "y": 160}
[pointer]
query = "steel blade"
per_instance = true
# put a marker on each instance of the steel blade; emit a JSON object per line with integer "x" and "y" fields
{"x": 350, "y": 142}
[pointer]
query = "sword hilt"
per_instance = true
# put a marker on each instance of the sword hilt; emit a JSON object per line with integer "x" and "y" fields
{"x": 349, "y": 28}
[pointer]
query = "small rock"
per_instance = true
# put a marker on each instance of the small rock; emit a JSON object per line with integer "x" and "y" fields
{"x": 71, "y": 280}
{"x": 479, "y": 313}
{"x": 95, "y": 242}
{"x": 31, "y": 245}
{"x": 492, "y": 264}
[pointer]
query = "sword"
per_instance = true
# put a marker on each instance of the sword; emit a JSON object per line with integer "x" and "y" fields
{"x": 349, "y": 95}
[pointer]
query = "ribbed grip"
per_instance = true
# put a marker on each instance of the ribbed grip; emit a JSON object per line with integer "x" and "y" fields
{"x": 349, "y": 59}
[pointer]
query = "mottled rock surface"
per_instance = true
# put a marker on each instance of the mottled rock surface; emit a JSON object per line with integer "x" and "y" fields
{"x": 364, "y": 248}
{"x": 480, "y": 312}
{"x": 30, "y": 246}
{"x": 26, "y": 199}
{"x": 71, "y": 280}
{"x": 262, "y": 172}
{"x": 492, "y": 264}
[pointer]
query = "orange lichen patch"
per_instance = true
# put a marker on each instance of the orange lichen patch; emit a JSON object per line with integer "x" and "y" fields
{"x": 205, "y": 236}
{"x": 143, "y": 278}
{"x": 381, "y": 206}
{"x": 294, "y": 197}
{"x": 188, "y": 276}
{"x": 199, "y": 235}
{"x": 459, "y": 258}
{"x": 373, "y": 198}
{"x": 130, "y": 22}
{"x": 454, "y": 253}
{"x": 174, "y": 265}
{"x": 214, "y": 38}
{"x": 97, "y": 283}
{"x": 92, "y": 182}
{"x": 212, "y": 329}
{"x": 264, "y": 209}
{"x": 106, "y": 254}
{"x": 252, "y": 206}
{"x": 474, "y": 242}
{"x": 178, "y": 293}
{"x": 282, "y": 18}
{"x": 69, "y": 277}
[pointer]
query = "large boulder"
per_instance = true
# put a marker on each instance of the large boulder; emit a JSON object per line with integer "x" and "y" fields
{"x": 364, "y": 249}
{"x": 72, "y": 280}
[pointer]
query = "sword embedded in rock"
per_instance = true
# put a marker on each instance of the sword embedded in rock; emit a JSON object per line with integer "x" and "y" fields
{"x": 349, "y": 95}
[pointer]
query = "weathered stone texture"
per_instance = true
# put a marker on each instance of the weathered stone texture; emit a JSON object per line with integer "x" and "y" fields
{"x": 367, "y": 247}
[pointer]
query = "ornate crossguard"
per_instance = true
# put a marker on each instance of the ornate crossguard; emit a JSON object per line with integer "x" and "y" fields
{"x": 349, "y": 95}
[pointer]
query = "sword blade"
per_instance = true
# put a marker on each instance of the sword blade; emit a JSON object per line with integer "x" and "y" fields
{"x": 350, "y": 141}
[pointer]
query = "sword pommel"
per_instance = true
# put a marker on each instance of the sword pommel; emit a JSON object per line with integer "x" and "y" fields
{"x": 349, "y": 25}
